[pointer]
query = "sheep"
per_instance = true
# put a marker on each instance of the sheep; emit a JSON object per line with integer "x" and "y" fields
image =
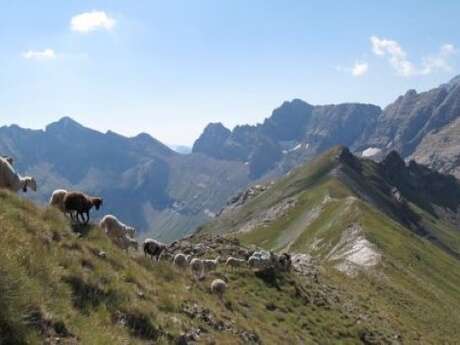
{"x": 210, "y": 265}
{"x": 115, "y": 228}
{"x": 258, "y": 262}
{"x": 81, "y": 204}
{"x": 234, "y": 262}
{"x": 57, "y": 199}
{"x": 153, "y": 248}
{"x": 285, "y": 261}
{"x": 218, "y": 287}
{"x": 11, "y": 180}
{"x": 197, "y": 268}
{"x": 181, "y": 260}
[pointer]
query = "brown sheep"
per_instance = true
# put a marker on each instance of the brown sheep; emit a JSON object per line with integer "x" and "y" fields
{"x": 81, "y": 204}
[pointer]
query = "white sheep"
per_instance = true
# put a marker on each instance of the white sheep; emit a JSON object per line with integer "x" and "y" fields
{"x": 258, "y": 262}
{"x": 11, "y": 180}
{"x": 234, "y": 262}
{"x": 181, "y": 260}
{"x": 57, "y": 199}
{"x": 197, "y": 268}
{"x": 115, "y": 228}
{"x": 218, "y": 287}
{"x": 210, "y": 265}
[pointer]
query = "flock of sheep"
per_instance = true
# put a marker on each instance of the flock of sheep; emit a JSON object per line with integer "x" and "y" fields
{"x": 78, "y": 205}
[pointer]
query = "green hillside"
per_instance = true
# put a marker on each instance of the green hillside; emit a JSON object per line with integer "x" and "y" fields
{"x": 58, "y": 288}
{"x": 387, "y": 233}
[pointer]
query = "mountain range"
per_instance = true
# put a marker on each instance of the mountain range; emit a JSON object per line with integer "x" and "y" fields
{"x": 168, "y": 195}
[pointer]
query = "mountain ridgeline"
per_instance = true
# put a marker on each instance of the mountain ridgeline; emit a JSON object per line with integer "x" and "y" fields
{"x": 168, "y": 195}
{"x": 298, "y": 131}
{"x": 391, "y": 227}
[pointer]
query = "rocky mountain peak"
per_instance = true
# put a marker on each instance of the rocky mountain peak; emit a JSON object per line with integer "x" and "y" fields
{"x": 393, "y": 161}
{"x": 212, "y": 139}
{"x": 64, "y": 123}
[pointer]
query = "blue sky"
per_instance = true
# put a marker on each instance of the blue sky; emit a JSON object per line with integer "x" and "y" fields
{"x": 170, "y": 67}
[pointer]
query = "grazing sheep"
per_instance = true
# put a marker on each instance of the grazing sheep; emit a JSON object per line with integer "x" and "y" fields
{"x": 153, "y": 248}
{"x": 11, "y": 180}
{"x": 218, "y": 287}
{"x": 57, "y": 199}
{"x": 210, "y": 265}
{"x": 197, "y": 268}
{"x": 259, "y": 261}
{"x": 81, "y": 204}
{"x": 181, "y": 260}
{"x": 234, "y": 262}
{"x": 115, "y": 228}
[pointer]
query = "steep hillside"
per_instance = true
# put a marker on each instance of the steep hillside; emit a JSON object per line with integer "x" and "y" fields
{"x": 69, "y": 285}
{"x": 387, "y": 231}
{"x": 142, "y": 181}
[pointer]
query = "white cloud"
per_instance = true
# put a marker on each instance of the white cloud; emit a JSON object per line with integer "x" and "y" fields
{"x": 46, "y": 54}
{"x": 439, "y": 61}
{"x": 359, "y": 69}
{"x": 90, "y": 21}
{"x": 398, "y": 59}
{"x": 397, "y": 56}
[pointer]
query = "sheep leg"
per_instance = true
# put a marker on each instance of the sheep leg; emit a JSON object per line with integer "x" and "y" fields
{"x": 87, "y": 217}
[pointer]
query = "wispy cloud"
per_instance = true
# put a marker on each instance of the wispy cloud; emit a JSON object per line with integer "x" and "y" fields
{"x": 46, "y": 54}
{"x": 359, "y": 69}
{"x": 398, "y": 59}
{"x": 91, "y": 21}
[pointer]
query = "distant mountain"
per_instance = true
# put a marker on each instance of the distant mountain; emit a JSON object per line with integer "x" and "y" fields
{"x": 143, "y": 182}
{"x": 404, "y": 123}
{"x": 440, "y": 149}
{"x": 390, "y": 228}
{"x": 298, "y": 131}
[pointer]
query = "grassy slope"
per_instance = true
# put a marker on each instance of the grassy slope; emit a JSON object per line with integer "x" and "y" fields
{"x": 417, "y": 285}
{"x": 53, "y": 280}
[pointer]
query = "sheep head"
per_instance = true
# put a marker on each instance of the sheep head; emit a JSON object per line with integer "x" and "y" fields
{"x": 31, "y": 183}
{"x": 131, "y": 231}
{"x": 97, "y": 202}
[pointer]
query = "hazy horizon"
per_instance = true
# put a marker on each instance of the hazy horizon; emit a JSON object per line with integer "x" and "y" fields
{"x": 170, "y": 69}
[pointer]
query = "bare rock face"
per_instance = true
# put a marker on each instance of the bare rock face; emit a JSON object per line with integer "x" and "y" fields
{"x": 404, "y": 124}
{"x": 440, "y": 150}
{"x": 295, "y": 132}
